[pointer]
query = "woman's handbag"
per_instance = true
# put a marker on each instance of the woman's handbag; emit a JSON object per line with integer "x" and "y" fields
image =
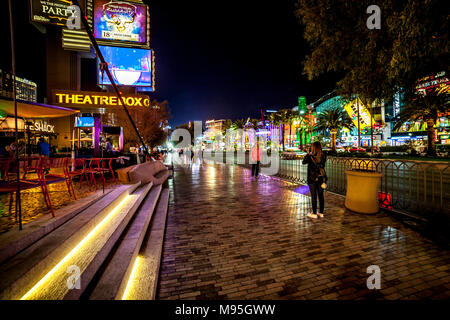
{"x": 321, "y": 174}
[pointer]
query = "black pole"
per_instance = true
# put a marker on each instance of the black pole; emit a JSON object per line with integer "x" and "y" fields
{"x": 108, "y": 73}
{"x": 371, "y": 128}
{"x": 13, "y": 63}
{"x": 359, "y": 130}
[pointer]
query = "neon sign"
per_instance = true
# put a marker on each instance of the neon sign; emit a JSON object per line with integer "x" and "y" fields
{"x": 99, "y": 99}
{"x": 364, "y": 114}
{"x": 120, "y": 20}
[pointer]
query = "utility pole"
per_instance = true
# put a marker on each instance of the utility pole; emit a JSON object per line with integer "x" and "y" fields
{"x": 13, "y": 64}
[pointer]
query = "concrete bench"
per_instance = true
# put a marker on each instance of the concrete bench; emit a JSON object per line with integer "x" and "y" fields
{"x": 155, "y": 172}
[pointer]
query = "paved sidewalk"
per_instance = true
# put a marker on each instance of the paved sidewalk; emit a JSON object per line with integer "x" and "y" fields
{"x": 230, "y": 237}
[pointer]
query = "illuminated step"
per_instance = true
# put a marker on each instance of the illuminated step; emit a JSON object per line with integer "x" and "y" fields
{"x": 15, "y": 241}
{"x": 114, "y": 277}
{"x": 20, "y": 273}
{"x": 143, "y": 280}
{"x": 89, "y": 254}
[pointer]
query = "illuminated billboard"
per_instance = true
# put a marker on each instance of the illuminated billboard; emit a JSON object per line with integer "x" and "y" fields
{"x": 128, "y": 66}
{"x": 439, "y": 82}
{"x": 364, "y": 114}
{"x": 82, "y": 122}
{"x": 51, "y": 11}
{"x": 120, "y": 21}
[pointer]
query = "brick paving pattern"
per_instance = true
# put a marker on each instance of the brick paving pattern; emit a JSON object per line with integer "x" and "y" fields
{"x": 230, "y": 237}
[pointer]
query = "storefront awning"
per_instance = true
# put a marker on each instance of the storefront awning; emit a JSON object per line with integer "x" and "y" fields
{"x": 33, "y": 110}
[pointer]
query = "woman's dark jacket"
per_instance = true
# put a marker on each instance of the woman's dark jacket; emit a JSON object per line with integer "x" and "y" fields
{"x": 312, "y": 167}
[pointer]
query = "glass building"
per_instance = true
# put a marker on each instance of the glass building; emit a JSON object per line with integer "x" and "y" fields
{"x": 26, "y": 90}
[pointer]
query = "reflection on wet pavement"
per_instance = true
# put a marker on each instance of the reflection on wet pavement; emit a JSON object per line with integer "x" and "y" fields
{"x": 230, "y": 236}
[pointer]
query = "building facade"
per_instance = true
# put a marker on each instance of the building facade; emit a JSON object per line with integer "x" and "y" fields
{"x": 26, "y": 90}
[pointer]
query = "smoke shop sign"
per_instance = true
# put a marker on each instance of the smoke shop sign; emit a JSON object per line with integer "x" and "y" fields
{"x": 98, "y": 99}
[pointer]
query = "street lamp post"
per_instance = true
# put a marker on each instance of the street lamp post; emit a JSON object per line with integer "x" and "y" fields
{"x": 13, "y": 65}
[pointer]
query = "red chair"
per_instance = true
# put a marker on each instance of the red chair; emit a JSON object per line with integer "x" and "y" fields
{"x": 93, "y": 169}
{"x": 4, "y": 168}
{"x": 11, "y": 187}
{"x": 29, "y": 164}
{"x": 79, "y": 169}
{"x": 105, "y": 166}
{"x": 54, "y": 177}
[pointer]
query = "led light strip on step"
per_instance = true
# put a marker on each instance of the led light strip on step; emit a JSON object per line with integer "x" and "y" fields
{"x": 132, "y": 281}
{"x": 33, "y": 293}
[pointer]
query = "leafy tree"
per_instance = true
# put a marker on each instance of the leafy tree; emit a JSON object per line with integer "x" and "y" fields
{"x": 150, "y": 122}
{"x": 333, "y": 120}
{"x": 374, "y": 64}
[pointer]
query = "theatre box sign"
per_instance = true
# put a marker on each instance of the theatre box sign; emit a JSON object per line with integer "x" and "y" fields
{"x": 98, "y": 99}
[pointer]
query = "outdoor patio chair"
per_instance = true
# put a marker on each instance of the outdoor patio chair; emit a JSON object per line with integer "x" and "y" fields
{"x": 10, "y": 187}
{"x": 54, "y": 164}
{"x": 4, "y": 168}
{"x": 105, "y": 166}
{"x": 78, "y": 167}
{"x": 29, "y": 164}
{"x": 93, "y": 169}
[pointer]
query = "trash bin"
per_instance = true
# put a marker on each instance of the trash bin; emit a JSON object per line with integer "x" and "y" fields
{"x": 362, "y": 191}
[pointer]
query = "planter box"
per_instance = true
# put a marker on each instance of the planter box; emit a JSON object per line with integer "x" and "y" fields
{"x": 362, "y": 191}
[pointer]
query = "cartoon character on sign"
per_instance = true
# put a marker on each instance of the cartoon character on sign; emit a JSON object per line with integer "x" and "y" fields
{"x": 120, "y": 14}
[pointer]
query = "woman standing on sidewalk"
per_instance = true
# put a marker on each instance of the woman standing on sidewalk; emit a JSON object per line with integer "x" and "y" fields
{"x": 315, "y": 159}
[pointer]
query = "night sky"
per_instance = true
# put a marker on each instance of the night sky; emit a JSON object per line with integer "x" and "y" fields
{"x": 214, "y": 59}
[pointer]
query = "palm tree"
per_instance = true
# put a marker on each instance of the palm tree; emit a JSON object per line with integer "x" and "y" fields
{"x": 255, "y": 124}
{"x": 275, "y": 120}
{"x": 279, "y": 119}
{"x": 333, "y": 120}
{"x": 304, "y": 128}
{"x": 425, "y": 107}
{"x": 225, "y": 126}
{"x": 291, "y": 116}
{"x": 239, "y": 125}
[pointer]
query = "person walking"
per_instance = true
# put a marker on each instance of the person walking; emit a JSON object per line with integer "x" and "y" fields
{"x": 44, "y": 151}
{"x": 256, "y": 159}
{"x": 316, "y": 159}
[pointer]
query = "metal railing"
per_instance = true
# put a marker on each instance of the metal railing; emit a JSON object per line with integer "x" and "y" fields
{"x": 418, "y": 187}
